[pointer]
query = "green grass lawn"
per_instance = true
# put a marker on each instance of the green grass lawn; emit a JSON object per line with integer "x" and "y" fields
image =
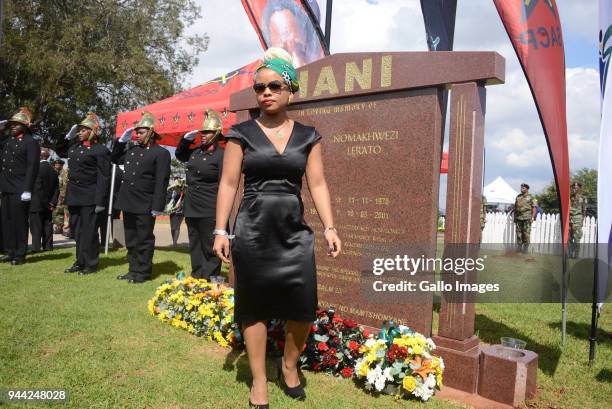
{"x": 92, "y": 336}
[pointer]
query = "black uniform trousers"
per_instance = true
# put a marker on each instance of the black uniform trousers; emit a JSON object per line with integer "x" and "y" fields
{"x": 204, "y": 262}
{"x": 15, "y": 225}
{"x": 41, "y": 228}
{"x": 140, "y": 243}
{"x": 175, "y": 226}
{"x": 103, "y": 224}
{"x": 84, "y": 220}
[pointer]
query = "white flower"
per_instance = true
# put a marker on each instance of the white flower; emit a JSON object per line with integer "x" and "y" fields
{"x": 430, "y": 344}
{"x": 380, "y": 384}
{"x": 431, "y": 381}
{"x": 374, "y": 374}
{"x": 387, "y": 374}
{"x": 423, "y": 392}
{"x": 370, "y": 342}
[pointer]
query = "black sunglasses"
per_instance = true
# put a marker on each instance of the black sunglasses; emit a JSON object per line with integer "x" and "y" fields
{"x": 274, "y": 86}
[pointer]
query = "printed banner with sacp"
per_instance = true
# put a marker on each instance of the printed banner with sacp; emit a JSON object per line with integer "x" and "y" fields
{"x": 534, "y": 28}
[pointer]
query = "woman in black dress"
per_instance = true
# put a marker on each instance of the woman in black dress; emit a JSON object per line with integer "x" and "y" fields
{"x": 273, "y": 248}
{"x": 204, "y": 165}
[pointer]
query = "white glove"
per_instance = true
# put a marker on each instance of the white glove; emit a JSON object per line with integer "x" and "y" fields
{"x": 190, "y": 136}
{"x": 2, "y": 124}
{"x": 26, "y": 196}
{"x": 155, "y": 213}
{"x": 127, "y": 135}
{"x": 72, "y": 132}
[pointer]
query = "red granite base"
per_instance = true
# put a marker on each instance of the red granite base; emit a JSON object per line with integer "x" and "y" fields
{"x": 460, "y": 363}
{"x": 507, "y": 379}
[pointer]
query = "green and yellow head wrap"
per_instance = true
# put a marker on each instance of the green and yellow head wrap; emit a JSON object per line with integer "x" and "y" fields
{"x": 284, "y": 69}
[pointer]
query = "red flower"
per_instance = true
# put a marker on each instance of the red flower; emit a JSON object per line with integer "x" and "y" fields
{"x": 314, "y": 328}
{"x": 316, "y": 367}
{"x": 349, "y": 323}
{"x": 336, "y": 319}
{"x": 336, "y": 340}
{"x": 322, "y": 346}
{"x": 366, "y": 333}
{"x": 332, "y": 351}
{"x": 347, "y": 372}
{"x": 353, "y": 345}
{"x": 397, "y": 352}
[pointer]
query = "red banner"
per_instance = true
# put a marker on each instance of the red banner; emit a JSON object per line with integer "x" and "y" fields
{"x": 184, "y": 112}
{"x": 287, "y": 24}
{"x": 534, "y": 27}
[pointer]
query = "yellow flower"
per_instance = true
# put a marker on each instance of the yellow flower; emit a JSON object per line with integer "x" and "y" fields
{"x": 363, "y": 369}
{"x": 417, "y": 349}
{"x": 439, "y": 379}
{"x": 409, "y": 383}
{"x": 151, "y": 306}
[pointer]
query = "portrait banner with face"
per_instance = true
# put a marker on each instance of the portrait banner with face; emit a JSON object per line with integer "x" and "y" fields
{"x": 291, "y": 25}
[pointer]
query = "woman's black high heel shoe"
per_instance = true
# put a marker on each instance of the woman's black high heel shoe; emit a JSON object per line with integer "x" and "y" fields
{"x": 252, "y": 405}
{"x": 297, "y": 392}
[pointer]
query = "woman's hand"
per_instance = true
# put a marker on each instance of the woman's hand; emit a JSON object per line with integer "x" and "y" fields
{"x": 221, "y": 248}
{"x": 334, "y": 244}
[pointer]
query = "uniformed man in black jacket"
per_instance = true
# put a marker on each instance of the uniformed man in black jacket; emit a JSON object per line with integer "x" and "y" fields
{"x": 142, "y": 194}
{"x": 204, "y": 166}
{"x": 20, "y": 162}
{"x": 88, "y": 178}
{"x": 44, "y": 200}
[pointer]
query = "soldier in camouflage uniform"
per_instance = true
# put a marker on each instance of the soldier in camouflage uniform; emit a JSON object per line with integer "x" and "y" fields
{"x": 577, "y": 212}
{"x": 524, "y": 213}
{"x": 58, "y": 213}
{"x": 483, "y": 214}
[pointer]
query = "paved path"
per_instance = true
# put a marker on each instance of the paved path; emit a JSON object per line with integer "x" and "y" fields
{"x": 162, "y": 236}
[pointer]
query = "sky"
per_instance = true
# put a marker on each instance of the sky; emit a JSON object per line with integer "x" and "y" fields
{"x": 514, "y": 140}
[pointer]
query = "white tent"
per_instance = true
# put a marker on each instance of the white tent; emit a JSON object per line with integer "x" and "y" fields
{"x": 499, "y": 191}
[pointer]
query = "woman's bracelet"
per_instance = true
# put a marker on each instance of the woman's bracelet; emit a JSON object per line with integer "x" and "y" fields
{"x": 332, "y": 228}
{"x": 222, "y": 232}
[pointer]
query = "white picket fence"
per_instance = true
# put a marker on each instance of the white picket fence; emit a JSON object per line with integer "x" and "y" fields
{"x": 545, "y": 232}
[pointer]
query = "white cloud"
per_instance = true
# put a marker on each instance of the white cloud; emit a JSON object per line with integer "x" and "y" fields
{"x": 233, "y": 42}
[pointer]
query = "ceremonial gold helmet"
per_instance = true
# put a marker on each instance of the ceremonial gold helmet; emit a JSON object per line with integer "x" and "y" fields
{"x": 23, "y": 117}
{"x": 212, "y": 123}
{"x": 147, "y": 121}
{"x": 91, "y": 122}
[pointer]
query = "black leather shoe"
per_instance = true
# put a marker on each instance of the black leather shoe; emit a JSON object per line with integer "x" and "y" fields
{"x": 86, "y": 271}
{"x": 124, "y": 277}
{"x": 74, "y": 269}
{"x": 297, "y": 392}
{"x": 17, "y": 261}
{"x": 264, "y": 406}
{"x": 261, "y": 406}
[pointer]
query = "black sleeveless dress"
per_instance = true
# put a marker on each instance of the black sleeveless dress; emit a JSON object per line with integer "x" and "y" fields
{"x": 273, "y": 251}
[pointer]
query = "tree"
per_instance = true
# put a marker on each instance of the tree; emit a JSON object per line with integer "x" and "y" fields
{"x": 549, "y": 201}
{"x": 62, "y": 58}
